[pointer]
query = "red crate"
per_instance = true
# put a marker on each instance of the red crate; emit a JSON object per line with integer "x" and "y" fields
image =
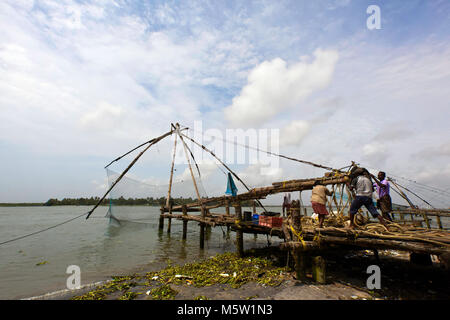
{"x": 271, "y": 222}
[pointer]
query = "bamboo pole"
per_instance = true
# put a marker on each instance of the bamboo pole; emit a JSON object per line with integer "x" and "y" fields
{"x": 171, "y": 171}
{"x": 202, "y": 225}
{"x": 231, "y": 171}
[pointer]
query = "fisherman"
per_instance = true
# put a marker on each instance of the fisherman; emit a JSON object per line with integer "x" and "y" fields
{"x": 363, "y": 187}
{"x": 319, "y": 199}
{"x": 384, "y": 202}
{"x": 286, "y": 203}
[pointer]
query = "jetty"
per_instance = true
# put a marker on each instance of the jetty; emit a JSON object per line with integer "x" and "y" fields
{"x": 418, "y": 231}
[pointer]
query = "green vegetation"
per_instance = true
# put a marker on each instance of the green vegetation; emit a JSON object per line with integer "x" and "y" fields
{"x": 227, "y": 269}
{"x": 21, "y": 204}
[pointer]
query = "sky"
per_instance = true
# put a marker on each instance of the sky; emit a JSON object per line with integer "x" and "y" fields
{"x": 82, "y": 82}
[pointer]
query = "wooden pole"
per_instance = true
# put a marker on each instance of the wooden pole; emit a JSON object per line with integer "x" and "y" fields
{"x": 161, "y": 218}
{"x": 239, "y": 233}
{"x": 203, "y": 214}
{"x": 300, "y": 263}
{"x": 169, "y": 224}
{"x": 156, "y": 140}
{"x": 231, "y": 171}
{"x": 403, "y": 195}
{"x": 319, "y": 270}
{"x": 185, "y": 222}
{"x": 189, "y": 162}
{"x": 171, "y": 171}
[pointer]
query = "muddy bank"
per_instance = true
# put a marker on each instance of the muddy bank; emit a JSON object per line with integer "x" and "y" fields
{"x": 267, "y": 274}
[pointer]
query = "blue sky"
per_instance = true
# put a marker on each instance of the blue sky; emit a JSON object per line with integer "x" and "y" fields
{"x": 84, "y": 81}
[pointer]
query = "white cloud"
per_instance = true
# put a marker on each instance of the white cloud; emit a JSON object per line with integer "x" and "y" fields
{"x": 273, "y": 87}
{"x": 294, "y": 133}
{"x": 105, "y": 116}
{"x": 259, "y": 175}
{"x": 375, "y": 153}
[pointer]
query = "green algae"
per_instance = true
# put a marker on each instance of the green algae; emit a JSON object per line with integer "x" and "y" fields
{"x": 227, "y": 269}
{"x": 164, "y": 292}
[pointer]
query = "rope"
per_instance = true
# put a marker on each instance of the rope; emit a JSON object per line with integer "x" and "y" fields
{"x": 274, "y": 154}
{"x": 40, "y": 231}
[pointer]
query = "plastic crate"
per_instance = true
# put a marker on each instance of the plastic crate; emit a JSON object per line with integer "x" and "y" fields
{"x": 271, "y": 222}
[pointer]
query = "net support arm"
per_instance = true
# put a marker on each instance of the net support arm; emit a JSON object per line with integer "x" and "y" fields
{"x": 154, "y": 141}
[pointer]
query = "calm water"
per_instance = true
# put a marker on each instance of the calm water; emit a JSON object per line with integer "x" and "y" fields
{"x": 100, "y": 248}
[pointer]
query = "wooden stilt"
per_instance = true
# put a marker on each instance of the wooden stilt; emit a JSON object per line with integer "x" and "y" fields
{"x": 239, "y": 233}
{"x": 169, "y": 223}
{"x": 319, "y": 270}
{"x": 300, "y": 265}
{"x": 161, "y": 218}
{"x": 202, "y": 230}
{"x": 185, "y": 222}
{"x": 438, "y": 220}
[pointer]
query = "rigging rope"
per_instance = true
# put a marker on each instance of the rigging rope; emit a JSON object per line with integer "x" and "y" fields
{"x": 275, "y": 154}
{"x": 40, "y": 231}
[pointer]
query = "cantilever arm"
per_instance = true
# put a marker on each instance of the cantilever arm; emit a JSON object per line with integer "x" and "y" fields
{"x": 154, "y": 141}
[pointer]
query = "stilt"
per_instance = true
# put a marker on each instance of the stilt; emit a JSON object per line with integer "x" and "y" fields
{"x": 208, "y": 232}
{"x": 300, "y": 265}
{"x": 227, "y": 213}
{"x": 161, "y": 218}
{"x": 202, "y": 236}
{"x": 202, "y": 230}
{"x": 438, "y": 220}
{"x": 319, "y": 270}
{"x": 239, "y": 233}
{"x": 185, "y": 222}
{"x": 169, "y": 223}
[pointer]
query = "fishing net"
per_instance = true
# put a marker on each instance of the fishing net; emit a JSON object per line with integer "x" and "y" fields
{"x": 207, "y": 176}
{"x": 138, "y": 195}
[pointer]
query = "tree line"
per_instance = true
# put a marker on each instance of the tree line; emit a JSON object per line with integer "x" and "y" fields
{"x": 121, "y": 201}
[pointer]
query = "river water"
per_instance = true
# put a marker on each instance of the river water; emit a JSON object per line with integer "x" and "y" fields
{"x": 37, "y": 265}
{"x": 101, "y": 248}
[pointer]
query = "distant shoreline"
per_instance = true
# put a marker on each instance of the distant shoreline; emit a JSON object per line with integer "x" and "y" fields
{"x": 29, "y": 204}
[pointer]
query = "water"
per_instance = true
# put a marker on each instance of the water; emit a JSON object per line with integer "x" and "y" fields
{"x": 100, "y": 248}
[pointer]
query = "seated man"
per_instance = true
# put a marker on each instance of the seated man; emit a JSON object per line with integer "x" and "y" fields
{"x": 363, "y": 189}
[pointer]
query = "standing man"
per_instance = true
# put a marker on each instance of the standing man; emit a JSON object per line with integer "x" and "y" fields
{"x": 319, "y": 199}
{"x": 384, "y": 202}
{"x": 363, "y": 187}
